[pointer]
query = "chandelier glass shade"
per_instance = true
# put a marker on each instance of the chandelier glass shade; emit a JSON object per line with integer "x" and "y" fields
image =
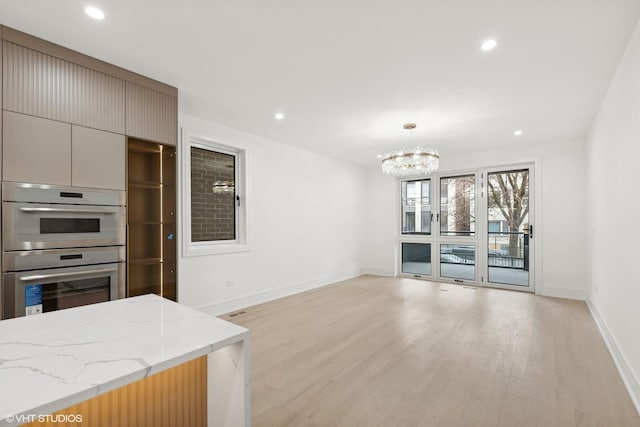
{"x": 223, "y": 187}
{"x": 410, "y": 162}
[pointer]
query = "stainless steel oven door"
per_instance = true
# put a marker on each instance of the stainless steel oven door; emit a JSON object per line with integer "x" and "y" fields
{"x": 29, "y": 226}
{"x": 41, "y": 291}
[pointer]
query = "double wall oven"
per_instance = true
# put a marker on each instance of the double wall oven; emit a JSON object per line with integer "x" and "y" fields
{"x": 62, "y": 247}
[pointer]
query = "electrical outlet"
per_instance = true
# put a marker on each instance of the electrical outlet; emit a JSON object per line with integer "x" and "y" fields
{"x": 230, "y": 283}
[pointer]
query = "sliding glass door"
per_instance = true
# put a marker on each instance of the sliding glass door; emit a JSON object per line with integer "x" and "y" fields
{"x": 473, "y": 227}
{"x": 509, "y": 228}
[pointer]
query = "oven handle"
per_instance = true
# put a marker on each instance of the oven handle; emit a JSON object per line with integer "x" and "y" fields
{"x": 67, "y": 210}
{"x": 74, "y": 273}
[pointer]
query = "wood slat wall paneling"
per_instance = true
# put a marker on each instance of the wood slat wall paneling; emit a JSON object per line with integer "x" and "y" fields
{"x": 1, "y": 149}
{"x": 45, "y": 86}
{"x": 151, "y": 115}
{"x": 35, "y": 43}
{"x": 35, "y": 84}
{"x": 98, "y": 100}
{"x": 1, "y": 78}
{"x": 175, "y": 397}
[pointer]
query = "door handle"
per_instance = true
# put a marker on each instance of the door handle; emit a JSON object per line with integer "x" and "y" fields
{"x": 70, "y": 274}
{"x": 68, "y": 210}
{"x": 531, "y": 231}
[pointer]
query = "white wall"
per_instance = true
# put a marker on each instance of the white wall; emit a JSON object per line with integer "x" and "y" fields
{"x": 305, "y": 223}
{"x": 559, "y": 225}
{"x": 383, "y": 210}
{"x": 614, "y": 205}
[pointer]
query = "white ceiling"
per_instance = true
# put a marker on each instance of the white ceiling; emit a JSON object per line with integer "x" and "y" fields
{"x": 349, "y": 73}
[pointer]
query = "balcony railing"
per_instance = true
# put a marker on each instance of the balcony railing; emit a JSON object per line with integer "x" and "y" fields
{"x": 499, "y": 253}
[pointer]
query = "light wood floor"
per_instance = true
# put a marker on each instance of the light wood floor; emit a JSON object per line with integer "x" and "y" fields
{"x": 376, "y": 351}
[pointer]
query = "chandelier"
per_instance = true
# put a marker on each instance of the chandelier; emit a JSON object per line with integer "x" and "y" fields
{"x": 411, "y": 161}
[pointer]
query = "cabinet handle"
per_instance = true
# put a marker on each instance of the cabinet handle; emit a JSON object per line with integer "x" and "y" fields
{"x": 68, "y": 210}
{"x": 71, "y": 274}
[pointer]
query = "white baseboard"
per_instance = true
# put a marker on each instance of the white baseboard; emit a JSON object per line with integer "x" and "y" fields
{"x": 628, "y": 376}
{"x": 234, "y": 304}
{"x": 378, "y": 271}
{"x": 560, "y": 292}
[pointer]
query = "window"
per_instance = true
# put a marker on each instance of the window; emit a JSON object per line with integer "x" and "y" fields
{"x": 215, "y": 206}
{"x": 496, "y": 226}
{"x": 416, "y": 207}
{"x": 458, "y": 261}
{"x": 213, "y": 195}
{"x": 416, "y": 258}
{"x": 458, "y": 206}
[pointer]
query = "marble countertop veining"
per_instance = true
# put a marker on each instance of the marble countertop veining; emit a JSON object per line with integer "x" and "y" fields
{"x": 53, "y": 360}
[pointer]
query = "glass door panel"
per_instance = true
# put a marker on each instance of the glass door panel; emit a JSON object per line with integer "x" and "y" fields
{"x": 458, "y": 262}
{"x": 416, "y": 258}
{"x": 508, "y": 229}
{"x": 416, "y": 207}
{"x": 458, "y": 206}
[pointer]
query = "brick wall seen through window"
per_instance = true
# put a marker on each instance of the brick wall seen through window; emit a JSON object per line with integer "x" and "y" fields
{"x": 213, "y": 207}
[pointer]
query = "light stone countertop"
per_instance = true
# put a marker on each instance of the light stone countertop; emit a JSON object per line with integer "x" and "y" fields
{"x": 53, "y": 360}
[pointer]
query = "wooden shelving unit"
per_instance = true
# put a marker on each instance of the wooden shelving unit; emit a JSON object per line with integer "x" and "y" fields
{"x": 151, "y": 219}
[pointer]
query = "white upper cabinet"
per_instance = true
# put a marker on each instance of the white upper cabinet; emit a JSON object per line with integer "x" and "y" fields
{"x": 36, "y": 150}
{"x": 98, "y": 158}
{"x": 41, "y": 85}
{"x": 66, "y": 116}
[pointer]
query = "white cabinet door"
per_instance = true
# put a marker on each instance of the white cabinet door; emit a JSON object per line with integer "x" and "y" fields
{"x": 36, "y": 150}
{"x": 98, "y": 159}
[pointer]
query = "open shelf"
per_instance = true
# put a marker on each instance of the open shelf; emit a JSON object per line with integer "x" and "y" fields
{"x": 135, "y": 224}
{"x": 144, "y": 185}
{"x": 145, "y": 261}
{"x": 151, "y": 219}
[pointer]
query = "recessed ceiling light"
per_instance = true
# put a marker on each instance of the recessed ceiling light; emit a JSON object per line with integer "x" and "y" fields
{"x": 94, "y": 12}
{"x": 279, "y": 116}
{"x": 488, "y": 44}
{"x": 518, "y": 132}
{"x": 379, "y": 156}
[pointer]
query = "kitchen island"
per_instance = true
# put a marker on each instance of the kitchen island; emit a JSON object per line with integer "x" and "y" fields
{"x": 143, "y": 361}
